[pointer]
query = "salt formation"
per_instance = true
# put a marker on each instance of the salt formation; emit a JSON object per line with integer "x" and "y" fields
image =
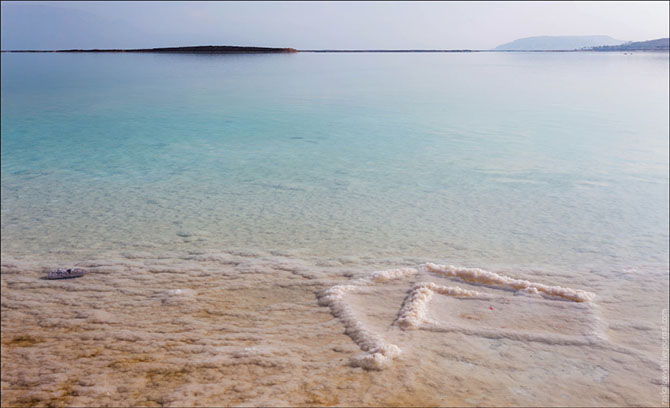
{"x": 413, "y": 311}
{"x": 476, "y": 275}
{"x": 378, "y": 354}
{"x": 413, "y": 315}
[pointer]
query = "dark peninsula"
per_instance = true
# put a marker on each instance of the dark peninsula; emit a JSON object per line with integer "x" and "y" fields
{"x": 202, "y": 49}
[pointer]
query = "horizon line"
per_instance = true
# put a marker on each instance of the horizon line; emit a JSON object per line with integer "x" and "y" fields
{"x": 236, "y": 49}
{"x": 325, "y": 51}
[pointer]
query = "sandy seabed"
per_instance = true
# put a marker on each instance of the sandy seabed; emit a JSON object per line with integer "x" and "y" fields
{"x": 254, "y": 328}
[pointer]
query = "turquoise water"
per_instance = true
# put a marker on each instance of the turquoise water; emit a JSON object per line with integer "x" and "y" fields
{"x": 243, "y": 220}
{"x": 544, "y": 158}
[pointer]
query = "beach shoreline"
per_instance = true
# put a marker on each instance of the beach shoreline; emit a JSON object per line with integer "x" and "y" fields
{"x": 201, "y": 328}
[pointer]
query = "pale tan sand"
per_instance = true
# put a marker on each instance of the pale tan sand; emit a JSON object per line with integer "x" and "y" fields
{"x": 216, "y": 329}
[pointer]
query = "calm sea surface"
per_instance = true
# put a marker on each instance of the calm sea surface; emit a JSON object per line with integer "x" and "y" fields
{"x": 548, "y": 166}
{"x": 544, "y": 158}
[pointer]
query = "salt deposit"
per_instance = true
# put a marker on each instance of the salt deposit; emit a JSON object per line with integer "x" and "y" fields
{"x": 253, "y": 328}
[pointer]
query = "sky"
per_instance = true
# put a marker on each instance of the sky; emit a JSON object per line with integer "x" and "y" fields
{"x": 320, "y": 25}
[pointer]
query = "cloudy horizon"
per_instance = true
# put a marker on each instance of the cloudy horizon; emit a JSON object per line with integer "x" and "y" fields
{"x": 320, "y": 25}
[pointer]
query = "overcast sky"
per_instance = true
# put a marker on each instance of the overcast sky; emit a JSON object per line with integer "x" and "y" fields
{"x": 310, "y": 25}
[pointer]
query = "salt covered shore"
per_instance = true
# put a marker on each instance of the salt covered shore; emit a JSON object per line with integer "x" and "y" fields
{"x": 261, "y": 328}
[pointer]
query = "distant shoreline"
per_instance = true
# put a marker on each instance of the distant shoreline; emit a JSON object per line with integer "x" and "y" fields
{"x": 204, "y": 49}
{"x": 215, "y": 49}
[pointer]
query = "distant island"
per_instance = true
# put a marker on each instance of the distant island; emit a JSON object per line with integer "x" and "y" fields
{"x": 201, "y": 49}
{"x": 531, "y": 44}
{"x": 558, "y": 43}
{"x": 661, "y": 44}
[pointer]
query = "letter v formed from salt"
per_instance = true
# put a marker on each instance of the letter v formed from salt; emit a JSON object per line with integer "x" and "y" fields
{"x": 378, "y": 354}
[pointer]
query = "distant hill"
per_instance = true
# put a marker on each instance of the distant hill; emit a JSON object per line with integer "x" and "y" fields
{"x": 661, "y": 44}
{"x": 548, "y": 43}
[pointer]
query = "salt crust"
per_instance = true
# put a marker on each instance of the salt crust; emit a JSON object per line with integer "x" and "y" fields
{"x": 377, "y": 354}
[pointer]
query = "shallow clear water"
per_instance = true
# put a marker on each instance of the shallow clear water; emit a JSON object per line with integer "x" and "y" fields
{"x": 547, "y": 166}
{"x": 511, "y": 157}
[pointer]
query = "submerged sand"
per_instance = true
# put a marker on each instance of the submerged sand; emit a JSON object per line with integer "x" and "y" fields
{"x": 252, "y": 328}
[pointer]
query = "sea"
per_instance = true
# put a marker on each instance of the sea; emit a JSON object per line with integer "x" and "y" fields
{"x": 350, "y": 229}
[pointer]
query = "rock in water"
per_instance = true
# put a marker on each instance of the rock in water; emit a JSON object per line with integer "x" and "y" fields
{"x": 65, "y": 273}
